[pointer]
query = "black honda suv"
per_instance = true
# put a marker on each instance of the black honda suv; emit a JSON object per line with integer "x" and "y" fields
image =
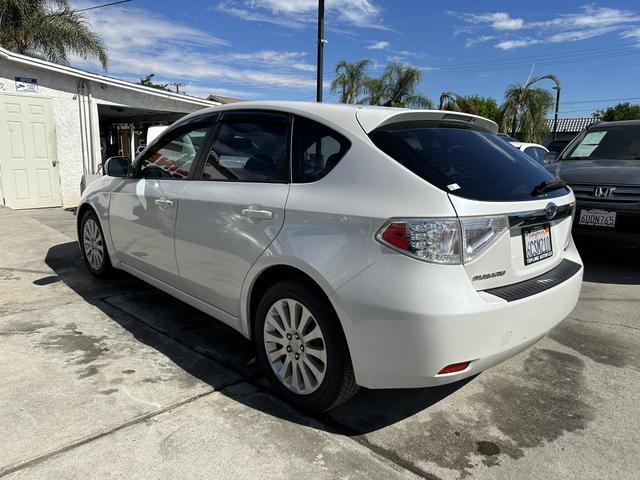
{"x": 602, "y": 166}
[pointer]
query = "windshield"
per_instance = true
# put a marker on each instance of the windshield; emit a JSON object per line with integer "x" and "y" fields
{"x": 465, "y": 162}
{"x": 608, "y": 143}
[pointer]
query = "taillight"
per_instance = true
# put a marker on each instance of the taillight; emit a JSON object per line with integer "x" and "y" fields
{"x": 443, "y": 240}
{"x": 479, "y": 233}
{"x": 431, "y": 240}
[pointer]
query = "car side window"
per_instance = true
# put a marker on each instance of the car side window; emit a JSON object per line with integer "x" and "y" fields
{"x": 536, "y": 153}
{"x": 317, "y": 149}
{"x": 173, "y": 157}
{"x": 248, "y": 150}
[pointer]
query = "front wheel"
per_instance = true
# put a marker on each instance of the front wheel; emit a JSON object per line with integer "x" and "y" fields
{"x": 302, "y": 349}
{"x": 94, "y": 248}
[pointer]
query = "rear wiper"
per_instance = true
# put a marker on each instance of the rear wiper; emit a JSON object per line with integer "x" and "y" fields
{"x": 547, "y": 186}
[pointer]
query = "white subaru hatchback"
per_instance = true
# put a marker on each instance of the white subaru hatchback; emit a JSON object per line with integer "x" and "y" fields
{"x": 354, "y": 245}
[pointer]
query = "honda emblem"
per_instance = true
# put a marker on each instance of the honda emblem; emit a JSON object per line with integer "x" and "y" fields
{"x": 603, "y": 192}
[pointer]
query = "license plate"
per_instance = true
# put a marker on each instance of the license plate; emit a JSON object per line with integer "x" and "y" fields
{"x": 597, "y": 218}
{"x": 537, "y": 243}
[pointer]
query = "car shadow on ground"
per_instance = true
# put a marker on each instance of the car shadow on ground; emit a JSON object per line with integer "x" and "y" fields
{"x": 168, "y": 325}
{"x": 610, "y": 264}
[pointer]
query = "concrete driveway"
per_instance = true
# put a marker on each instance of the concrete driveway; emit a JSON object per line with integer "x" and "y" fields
{"x": 118, "y": 380}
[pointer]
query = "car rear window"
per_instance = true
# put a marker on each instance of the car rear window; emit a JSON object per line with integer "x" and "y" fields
{"x": 467, "y": 163}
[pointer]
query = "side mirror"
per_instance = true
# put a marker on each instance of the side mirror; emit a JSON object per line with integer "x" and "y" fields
{"x": 117, "y": 166}
{"x": 551, "y": 157}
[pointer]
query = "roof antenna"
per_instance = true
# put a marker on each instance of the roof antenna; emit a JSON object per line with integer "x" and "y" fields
{"x": 530, "y": 73}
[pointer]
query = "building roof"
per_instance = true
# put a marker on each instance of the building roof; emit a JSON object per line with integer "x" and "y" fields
{"x": 571, "y": 125}
{"x": 76, "y": 72}
{"x": 223, "y": 100}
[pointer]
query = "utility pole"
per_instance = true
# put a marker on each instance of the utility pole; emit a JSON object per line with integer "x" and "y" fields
{"x": 178, "y": 85}
{"x": 555, "y": 116}
{"x": 321, "y": 42}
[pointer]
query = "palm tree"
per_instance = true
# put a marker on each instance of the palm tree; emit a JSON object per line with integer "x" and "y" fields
{"x": 528, "y": 107}
{"x": 350, "y": 78}
{"x": 403, "y": 81}
{"x": 49, "y": 29}
{"x": 520, "y": 102}
{"x": 457, "y": 103}
{"x": 376, "y": 89}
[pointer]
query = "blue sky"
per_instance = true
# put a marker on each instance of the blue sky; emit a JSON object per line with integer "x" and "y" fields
{"x": 265, "y": 49}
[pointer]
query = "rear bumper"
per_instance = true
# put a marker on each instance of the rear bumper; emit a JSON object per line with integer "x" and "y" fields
{"x": 405, "y": 320}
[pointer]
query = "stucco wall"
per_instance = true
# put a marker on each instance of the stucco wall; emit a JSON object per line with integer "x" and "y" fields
{"x": 63, "y": 90}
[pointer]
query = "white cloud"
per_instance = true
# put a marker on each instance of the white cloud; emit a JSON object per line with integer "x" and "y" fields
{"x": 471, "y": 42}
{"x": 511, "y": 44}
{"x": 634, "y": 34}
{"x": 141, "y": 42}
{"x": 589, "y": 22}
{"x": 300, "y": 13}
{"x": 381, "y": 45}
{"x": 497, "y": 20}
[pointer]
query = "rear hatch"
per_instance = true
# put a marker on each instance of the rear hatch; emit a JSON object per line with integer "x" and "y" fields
{"x": 515, "y": 217}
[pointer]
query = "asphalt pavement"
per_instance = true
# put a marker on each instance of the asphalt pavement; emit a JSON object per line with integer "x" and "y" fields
{"x": 118, "y": 380}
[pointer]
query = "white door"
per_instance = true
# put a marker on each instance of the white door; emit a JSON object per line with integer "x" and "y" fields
{"x": 142, "y": 212}
{"x": 28, "y": 163}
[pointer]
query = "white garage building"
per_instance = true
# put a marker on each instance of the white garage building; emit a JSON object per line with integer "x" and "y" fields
{"x": 59, "y": 123}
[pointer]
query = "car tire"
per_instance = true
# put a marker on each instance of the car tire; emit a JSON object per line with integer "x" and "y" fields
{"x": 290, "y": 352}
{"x": 93, "y": 246}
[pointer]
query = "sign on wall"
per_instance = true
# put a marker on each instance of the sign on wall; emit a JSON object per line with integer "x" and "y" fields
{"x": 26, "y": 84}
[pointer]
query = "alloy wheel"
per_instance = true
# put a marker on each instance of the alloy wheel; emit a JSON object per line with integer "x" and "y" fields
{"x": 93, "y": 244}
{"x": 295, "y": 346}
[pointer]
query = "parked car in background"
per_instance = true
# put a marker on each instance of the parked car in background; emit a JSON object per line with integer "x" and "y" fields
{"x": 354, "y": 245}
{"x": 507, "y": 138}
{"x": 535, "y": 151}
{"x": 602, "y": 166}
{"x": 557, "y": 145}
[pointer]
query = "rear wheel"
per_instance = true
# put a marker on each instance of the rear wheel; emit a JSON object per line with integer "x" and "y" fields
{"x": 301, "y": 348}
{"x": 94, "y": 248}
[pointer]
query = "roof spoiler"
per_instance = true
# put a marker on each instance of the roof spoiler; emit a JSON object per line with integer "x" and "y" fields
{"x": 372, "y": 118}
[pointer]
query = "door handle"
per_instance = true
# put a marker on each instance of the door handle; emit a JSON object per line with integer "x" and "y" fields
{"x": 163, "y": 203}
{"x": 256, "y": 213}
{"x": 54, "y": 163}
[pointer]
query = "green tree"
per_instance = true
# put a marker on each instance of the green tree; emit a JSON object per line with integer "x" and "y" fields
{"x": 350, "y": 79}
{"x": 527, "y": 106}
{"x": 621, "y": 111}
{"x": 456, "y": 103}
{"x": 396, "y": 87}
{"x": 376, "y": 90}
{"x": 486, "y": 107}
{"x": 49, "y": 29}
{"x": 402, "y": 82}
{"x": 147, "y": 81}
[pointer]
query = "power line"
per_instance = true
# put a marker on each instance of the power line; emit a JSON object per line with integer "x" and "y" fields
{"x": 102, "y": 6}
{"x": 540, "y": 57}
{"x": 602, "y": 100}
{"x": 519, "y": 64}
{"x": 78, "y": 10}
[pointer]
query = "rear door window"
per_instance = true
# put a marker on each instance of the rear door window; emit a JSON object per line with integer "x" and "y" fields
{"x": 249, "y": 148}
{"x": 467, "y": 163}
